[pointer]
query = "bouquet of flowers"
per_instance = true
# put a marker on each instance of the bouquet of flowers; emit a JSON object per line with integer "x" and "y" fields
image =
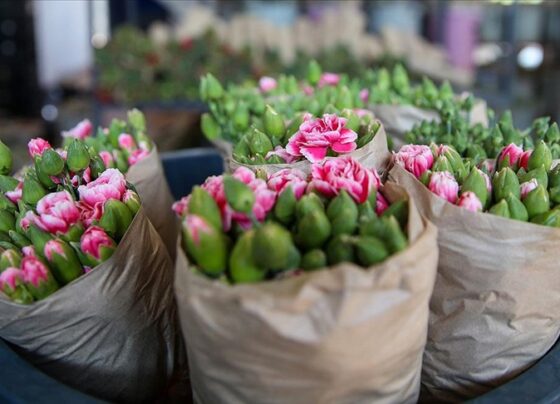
{"x": 260, "y": 246}
{"x": 496, "y": 288}
{"x": 522, "y": 186}
{"x": 288, "y": 221}
{"x": 125, "y": 145}
{"x": 80, "y": 265}
{"x": 65, "y": 217}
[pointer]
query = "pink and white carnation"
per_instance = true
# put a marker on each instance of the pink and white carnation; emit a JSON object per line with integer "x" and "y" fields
{"x": 444, "y": 185}
{"x": 282, "y": 153}
{"x": 81, "y": 131}
{"x": 57, "y": 212}
{"x": 111, "y": 184}
{"x": 267, "y": 84}
{"x": 316, "y": 136}
{"x": 329, "y": 79}
{"x": 296, "y": 179}
{"x": 416, "y": 159}
{"x": 470, "y": 201}
{"x": 334, "y": 175}
{"x": 37, "y": 146}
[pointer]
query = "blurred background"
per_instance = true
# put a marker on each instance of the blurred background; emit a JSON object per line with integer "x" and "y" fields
{"x": 62, "y": 61}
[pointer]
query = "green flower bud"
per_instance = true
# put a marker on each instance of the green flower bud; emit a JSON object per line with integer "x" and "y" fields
{"x": 500, "y": 209}
{"x": 392, "y": 235}
{"x": 537, "y": 201}
{"x": 241, "y": 117}
{"x": 241, "y": 265}
{"x": 369, "y": 250}
{"x": 340, "y": 249}
{"x": 214, "y": 90}
{"x": 43, "y": 178}
{"x": 475, "y": 182}
{"x": 51, "y": 163}
{"x": 442, "y": 164}
{"x": 554, "y": 177}
{"x": 308, "y": 203}
{"x": 241, "y": 148}
{"x": 552, "y": 134}
{"x": 6, "y": 160}
{"x": 120, "y": 161}
{"x": 476, "y": 152}
{"x": 344, "y": 99}
{"x": 210, "y": 127}
{"x": 554, "y": 194}
{"x": 271, "y": 246}
{"x": 137, "y": 120}
{"x": 314, "y": 259}
{"x": 365, "y": 211}
{"x": 541, "y": 156}
{"x": 314, "y": 73}
{"x": 550, "y": 218}
{"x": 517, "y": 209}
{"x": 206, "y": 245}
{"x": 313, "y": 230}
{"x": 19, "y": 239}
{"x": 63, "y": 261}
{"x": 203, "y": 205}
{"x": 400, "y": 80}
{"x": 274, "y": 125}
{"x": 446, "y": 91}
{"x": 7, "y": 183}
{"x": 399, "y": 210}
{"x": 32, "y": 191}
{"x": 343, "y": 214}
{"x": 259, "y": 143}
{"x": 6, "y": 204}
{"x": 537, "y": 173}
{"x": 7, "y": 221}
{"x": 38, "y": 238}
{"x": 239, "y": 196}
{"x": 10, "y": 258}
{"x": 285, "y": 207}
{"x": 78, "y": 158}
{"x": 352, "y": 120}
{"x": 505, "y": 182}
{"x": 116, "y": 218}
{"x": 97, "y": 166}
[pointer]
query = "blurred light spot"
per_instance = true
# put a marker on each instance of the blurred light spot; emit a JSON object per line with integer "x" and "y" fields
{"x": 99, "y": 40}
{"x": 49, "y": 112}
{"x": 531, "y": 56}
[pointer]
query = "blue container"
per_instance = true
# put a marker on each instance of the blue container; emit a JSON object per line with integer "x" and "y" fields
{"x": 20, "y": 382}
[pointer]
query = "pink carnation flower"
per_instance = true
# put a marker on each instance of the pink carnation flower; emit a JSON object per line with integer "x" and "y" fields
{"x": 444, "y": 185}
{"x": 37, "y": 146}
{"x": 267, "y": 84}
{"x": 470, "y": 201}
{"x": 288, "y": 178}
{"x": 415, "y": 159}
{"x": 57, "y": 212}
{"x": 81, "y": 131}
{"x": 110, "y": 185}
{"x": 330, "y": 177}
{"x": 316, "y": 136}
{"x": 329, "y": 79}
{"x": 282, "y": 153}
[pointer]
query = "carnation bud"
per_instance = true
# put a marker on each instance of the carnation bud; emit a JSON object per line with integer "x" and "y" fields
{"x": 271, "y": 246}
{"x": 203, "y": 205}
{"x": 63, "y": 260}
{"x": 6, "y": 160}
{"x": 205, "y": 244}
{"x": 238, "y": 194}
{"x": 51, "y": 163}
{"x": 78, "y": 157}
{"x": 242, "y": 267}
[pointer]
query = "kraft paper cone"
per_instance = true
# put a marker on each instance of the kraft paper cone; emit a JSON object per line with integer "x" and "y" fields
{"x": 375, "y": 154}
{"x": 339, "y": 335}
{"x": 149, "y": 179}
{"x": 111, "y": 333}
{"x": 495, "y": 307}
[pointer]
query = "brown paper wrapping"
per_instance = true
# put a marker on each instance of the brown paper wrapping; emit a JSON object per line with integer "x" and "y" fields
{"x": 111, "y": 333}
{"x": 399, "y": 119}
{"x": 343, "y": 335}
{"x": 375, "y": 154}
{"x": 495, "y": 307}
{"x": 149, "y": 179}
